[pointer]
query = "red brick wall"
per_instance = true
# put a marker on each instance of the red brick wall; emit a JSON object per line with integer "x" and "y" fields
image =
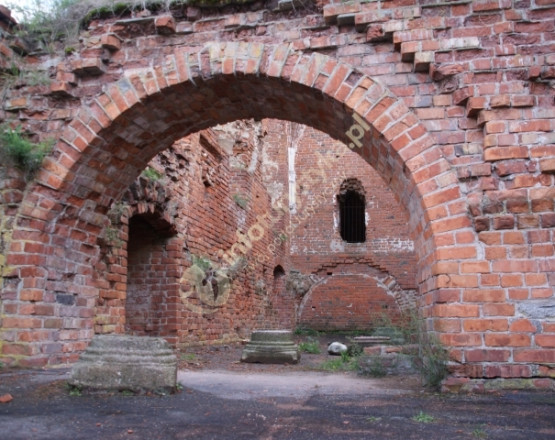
{"x": 459, "y": 126}
{"x": 210, "y": 201}
{"x": 347, "y": 301}
{"x": 313, "y": 167}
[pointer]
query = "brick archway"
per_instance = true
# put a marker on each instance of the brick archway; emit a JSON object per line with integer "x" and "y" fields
{"x": 113, "y": 137}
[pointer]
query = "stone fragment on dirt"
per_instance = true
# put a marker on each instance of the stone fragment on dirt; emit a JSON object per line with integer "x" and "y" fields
{"x": 336, "y": 348}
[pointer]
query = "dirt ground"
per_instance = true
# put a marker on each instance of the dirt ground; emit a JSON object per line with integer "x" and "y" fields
{"x": 228, "y": 357}
{"x": 225, "y": 399}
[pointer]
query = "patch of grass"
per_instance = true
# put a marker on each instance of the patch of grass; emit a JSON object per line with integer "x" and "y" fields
{"x": 373, "y": 419}
{"x": 188, "y": 357}
{"x": 74, "y": 391}
{"x": 343, "y": 363}
{"x": 311, "y": 347}
{"x": 25, "y": 155}
{"x": 300, "y": 331}
{"x": 151, "y": 174}
{"x": 127, "y": 393}
{"x": 422, "y": 417}
{"x": 332, "y": 365}
{"x": 479, "y": 433}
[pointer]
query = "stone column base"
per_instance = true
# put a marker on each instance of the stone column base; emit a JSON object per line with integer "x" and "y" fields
{"x": 121, "y": 362}
{"x": 271, "y": 347}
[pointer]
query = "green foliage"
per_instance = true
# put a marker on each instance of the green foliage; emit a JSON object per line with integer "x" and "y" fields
{"x": 342, "y": 363}
{"x": 151, "y": 174}
{"x": 432, "y": 357}
{"x": 35, "y": 77}
{"x": 112, "y": 236}
{"x": 311, "y": 347}
{"x": 339, "y": 364}
{"x": 203, "y": 263}
{"x": 45, "y": 22}
{"x": 335, "y": 364}
{"x": 422, "y": 417}
{"x": 376, "y": 368}
{"x": 241, "y": 200}
{"x": 116, "y": 212}
{"x": 354, "y": 350}
{"x": 74, "y": 390}
{"x": 25, "y": 155}
{"x": 299, "y": 331}
{"x": 479, "y": 433}
{"x": 188, "y": 357}
{"x": 127, "y": 393}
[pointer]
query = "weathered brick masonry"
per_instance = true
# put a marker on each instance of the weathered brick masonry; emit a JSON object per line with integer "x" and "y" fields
{"x": 451, "y": 103}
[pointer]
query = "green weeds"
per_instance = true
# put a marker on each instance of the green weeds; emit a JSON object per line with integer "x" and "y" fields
{"x": 24, "y": 154}
{"x": 151, "y": 174}
{"x": 241, "y": 200}
{"x": 343, "y": 363}
{"x": 312, "y": 347}
{"x": 422, "y": 417}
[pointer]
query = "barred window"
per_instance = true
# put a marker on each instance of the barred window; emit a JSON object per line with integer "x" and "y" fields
{"x": 352, "y": 221}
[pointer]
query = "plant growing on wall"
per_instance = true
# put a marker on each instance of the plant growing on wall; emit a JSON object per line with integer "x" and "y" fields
{"x": 151, "y": 174}
{"x": 24, "y": 154}
{"x": 240, "y": 200}
{"x": 49, "y": 21}
{"x": 431, "y": 359}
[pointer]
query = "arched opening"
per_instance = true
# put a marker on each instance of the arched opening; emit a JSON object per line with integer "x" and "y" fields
{"x": 112, "y": 139}
{"x": 352, "y": 212}
{"x": 151, "y": 281}
{"x": 279, "y": 284}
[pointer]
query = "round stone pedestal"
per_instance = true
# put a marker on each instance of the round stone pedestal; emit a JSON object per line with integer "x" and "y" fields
{"x": 271, "y": 347}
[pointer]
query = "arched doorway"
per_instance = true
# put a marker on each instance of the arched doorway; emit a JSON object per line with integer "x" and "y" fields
{"x": 145, "y": 112}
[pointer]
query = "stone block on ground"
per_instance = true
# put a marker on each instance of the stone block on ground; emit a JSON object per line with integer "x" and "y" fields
{"x": 271, "y": 347}
{"x": 121, "y": 362}
{"x": 391, "y": 364}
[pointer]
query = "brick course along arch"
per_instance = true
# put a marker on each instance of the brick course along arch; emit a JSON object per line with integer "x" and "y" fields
{"x": 483, "y": 233}
{"x": 144, "y": 113}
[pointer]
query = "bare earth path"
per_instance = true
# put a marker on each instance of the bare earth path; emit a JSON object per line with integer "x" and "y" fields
{"x": 223, "y": 399}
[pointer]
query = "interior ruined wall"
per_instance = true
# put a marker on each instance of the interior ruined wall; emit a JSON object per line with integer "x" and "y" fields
{"x": 350, "y": 284}
{"x": 209, "y": 211}
{"x": 223, "y": 182}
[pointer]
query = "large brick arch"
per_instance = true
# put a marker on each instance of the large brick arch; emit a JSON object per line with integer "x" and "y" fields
{"x": 113, "y": 137}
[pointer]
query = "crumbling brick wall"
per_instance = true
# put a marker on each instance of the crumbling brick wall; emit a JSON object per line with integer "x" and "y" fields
{"x": 450, "y": 102}
{"x": 316, "y": 168}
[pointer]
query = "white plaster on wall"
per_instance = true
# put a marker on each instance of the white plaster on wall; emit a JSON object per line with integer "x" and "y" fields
{"x": 337, "y": 246}
{"x": 391, "y": 244}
